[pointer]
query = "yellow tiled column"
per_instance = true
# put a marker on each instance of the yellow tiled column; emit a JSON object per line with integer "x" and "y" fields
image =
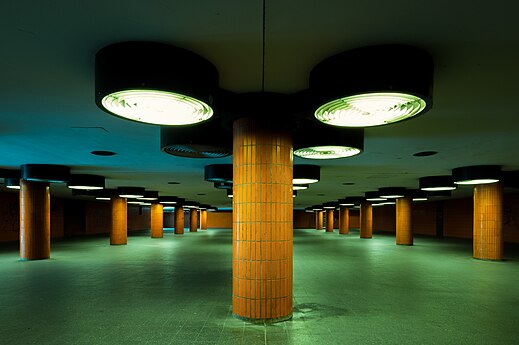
{"x": 488, "y": 221}
{"x": 318, "y": 220}
{"x": 119, "y": 228}
{"x": 179, "y": 219}
{"x": 404, "y": 231}
{"x": 34, "y": 220}
{"x": 262, "y": 223}
{"x": 344, "y": 220}
{"x": 366, "y": 220}
{"x": 157, "y": 221}
{"x": 203, "y": 219}
{"x": 329, "y": 220}
{"x": 193, "y": 220}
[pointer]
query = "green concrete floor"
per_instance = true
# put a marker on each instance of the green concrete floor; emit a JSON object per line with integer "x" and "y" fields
{"x": 177, "y": 290}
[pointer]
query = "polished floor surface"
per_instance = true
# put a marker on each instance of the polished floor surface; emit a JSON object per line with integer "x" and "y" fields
{"x": 177, "y": 290}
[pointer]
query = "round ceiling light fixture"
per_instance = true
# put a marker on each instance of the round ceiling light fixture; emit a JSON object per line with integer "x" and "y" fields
{"x": 47, "y": 173}
{"x": 86, "y": 182}
{"x": 476, "y": 174}
{"x": 374, "y": 196}
{"x": 149, "y": 195}
{"x": 306, "y": 174}
{"x": 437, "y": 183}
{"x": 315, "y": 141}
{"x": 330, "y": 205}
{"x": 218, "y": 173}
{"x": 418, "y": 195}
{"x": 12, "y": 182}
{"x": 206, "y": 140}
{"x": 130, "y": 192}
{"x": 154, "y": 83}
{"x": 168, "y": 200}
{"x": 392, "y": 192}
{"x": 372, "y": 86}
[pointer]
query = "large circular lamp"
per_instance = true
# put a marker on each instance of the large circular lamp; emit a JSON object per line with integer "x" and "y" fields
{"x": 154, "y": 83}
{"x": 315, "y": 141}
{"x": 86, "y": 182}
{"x": 207, "y": 140}
{"x": 306, "y": 174}
{"x": 437, "y": 183}
{"x": 476, "y": 174}
{"x": 372, "y": 86}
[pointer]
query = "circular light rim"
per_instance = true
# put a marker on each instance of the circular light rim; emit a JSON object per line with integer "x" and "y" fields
{"x": 438, "y": 189}
{"x": 176, "y": 99}
{"x": 304, "y": 180}
{"x": 328, "y": 109}
{"x": 420, "y": 199}
{"x": 477, "y": 181}
{"x": 299, "y": 187}
{"x": 321, "y": 152}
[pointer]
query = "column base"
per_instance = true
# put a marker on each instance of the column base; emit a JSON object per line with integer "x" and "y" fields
{"x": 484, "y": 259}
{"x": 262, "y": 321}
{"x": 25, "y": 259}
{"x": 118, "y": 244}
{"x": 404, "y": 244}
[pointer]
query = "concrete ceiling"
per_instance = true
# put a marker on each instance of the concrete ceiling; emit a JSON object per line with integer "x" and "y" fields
{"x": 48, "y": 114}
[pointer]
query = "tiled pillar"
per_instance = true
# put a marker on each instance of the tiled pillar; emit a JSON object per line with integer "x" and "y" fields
{"x": 262, "y": 223}
{"x": 157, "y": 221}
{"x": 329, "y": 220}
{"x": 34, "y": 220}
{"x": 119, "y": 228}
{"x": 404, "y": 230}
{"x": 203, "y": 219}
{"x": 193, "y": 220}
{"x": 344, "y": 220}
{"x": 318, "y": 220}
{"x": 488, "y": 221}
{"x": 179, "y": 219}
{"x": 366, "y": 220}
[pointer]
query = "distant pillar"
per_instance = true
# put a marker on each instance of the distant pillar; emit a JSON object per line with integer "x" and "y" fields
{"x": 318, "y": 220}
{"x": 366, "y": 220}
{"x": 119, "y": 227}
{"x": 488, "y": 221}
{"x": 203, "y": 219}
{"x": 157, "y": 221}
{"x": 193, "y": 220}
{"x": 34, "y": 220}
{"x": 329, "y": 220}
{"x": 404, "y": 229}
{"x": 344, "y": 220}
{"x": 179, "y": 219}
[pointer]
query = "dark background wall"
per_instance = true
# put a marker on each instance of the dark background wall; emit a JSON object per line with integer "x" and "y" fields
{"x": 451, "y": 218}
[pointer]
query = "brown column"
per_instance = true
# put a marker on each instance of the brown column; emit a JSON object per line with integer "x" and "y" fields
{"x": 366, "y": 220}
{"x": 119, "y": 228}
{"x": 262, "y": 223}
{"x": 488, "y": 221}
{"x": 193, "y": 220}
{"x": 203, "y": 219}
{"x": 34, "y": 220}
{"x": 344, "y": 220}
{"x": 318, "y": 220}
{"x": 179, "y": 219}
{"x": 329, "y": 220}
{"x": 404, "y": 230}
{"x": 157, "y": 221}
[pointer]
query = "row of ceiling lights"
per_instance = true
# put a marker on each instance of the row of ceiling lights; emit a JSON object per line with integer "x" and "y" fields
{"x": 169, "y": 86}
{"x": 429, "y": 186}
{"x": 90, "y": 185}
